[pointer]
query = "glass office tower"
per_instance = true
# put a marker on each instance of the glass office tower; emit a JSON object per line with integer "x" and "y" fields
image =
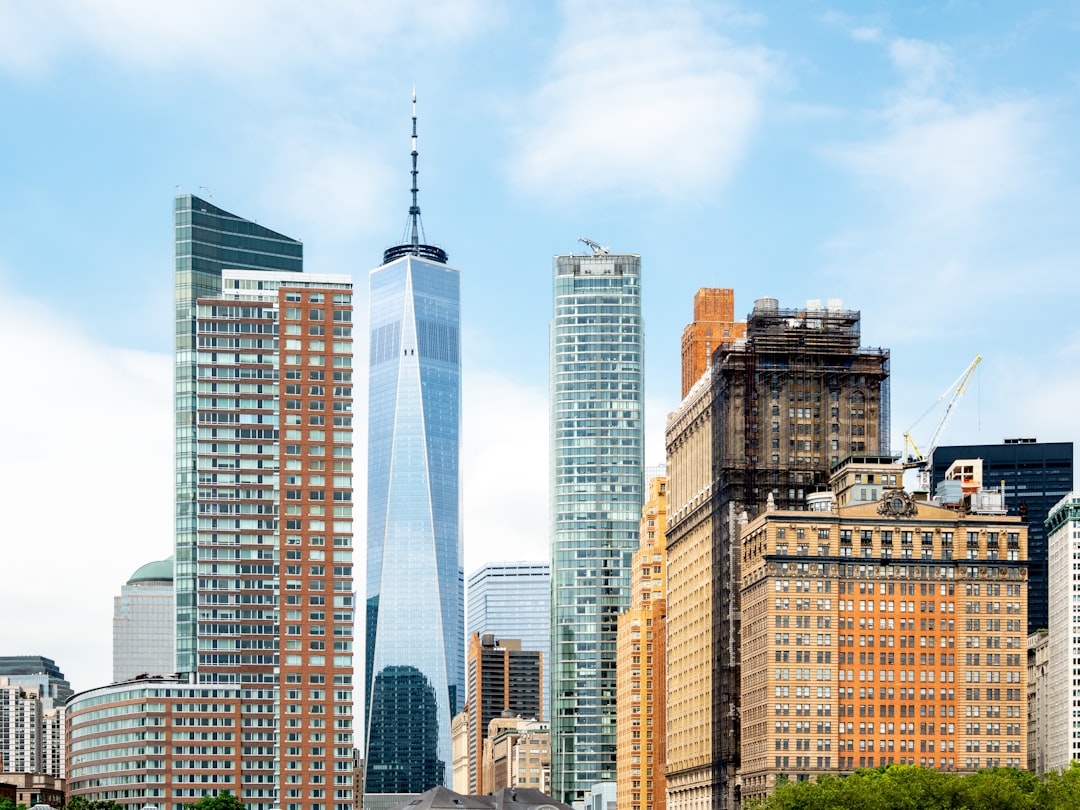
{"x": 597, "y": 343}
{"x": 513, "y": 600}
{"x": 415, "y": 587}
{"x": 207, "y": 240}
{"x": 1036, "y": 476}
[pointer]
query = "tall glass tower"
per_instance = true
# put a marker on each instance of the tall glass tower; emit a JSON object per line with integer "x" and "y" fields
{"x": 597, "y": 344}
{"x": 208, "y": 240}
{"x": 415, "y": 668}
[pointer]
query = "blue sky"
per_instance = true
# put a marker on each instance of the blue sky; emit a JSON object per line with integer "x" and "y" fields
{"x": 917, "y": 160}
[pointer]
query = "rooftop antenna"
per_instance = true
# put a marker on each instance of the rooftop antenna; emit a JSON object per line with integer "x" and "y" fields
{"x": 209, "y": 193}
{"x": 412, "y": 241}
{"x": 597, "y": 249}
{"x": 414, "y": 209}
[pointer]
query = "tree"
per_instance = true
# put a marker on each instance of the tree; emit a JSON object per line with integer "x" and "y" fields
{"x": 906, "y": 787}
{"x": 222, "y": 801}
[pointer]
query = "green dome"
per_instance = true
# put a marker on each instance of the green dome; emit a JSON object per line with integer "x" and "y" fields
{"x": 158, "y": 571}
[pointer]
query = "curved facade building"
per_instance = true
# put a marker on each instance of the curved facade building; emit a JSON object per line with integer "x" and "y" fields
{"x": 160, "y": 741}
{"x": 597, "y": 369}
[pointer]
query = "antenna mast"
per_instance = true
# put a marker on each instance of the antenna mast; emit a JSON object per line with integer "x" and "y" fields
{"x": 414, "y": 209}
{"x": 414, "y": 237}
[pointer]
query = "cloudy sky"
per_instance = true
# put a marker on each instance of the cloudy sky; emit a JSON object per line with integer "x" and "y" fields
{"x": 917, "y": 160}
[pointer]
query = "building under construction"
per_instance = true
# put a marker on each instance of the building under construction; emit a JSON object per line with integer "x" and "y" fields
{"x": 766, "y": 422}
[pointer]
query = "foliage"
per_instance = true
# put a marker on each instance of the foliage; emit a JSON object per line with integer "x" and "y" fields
{"x": 9, "y": 804}
{"x": 82, "y": 803}
{"x": 907, "y": 787}
{"x": 222, "y": 801}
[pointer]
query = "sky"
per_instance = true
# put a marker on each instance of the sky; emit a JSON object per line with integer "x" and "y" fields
{"x": 917, "y": 160}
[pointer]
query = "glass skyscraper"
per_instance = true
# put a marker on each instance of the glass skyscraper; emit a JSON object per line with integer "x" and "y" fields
{"x": 513, "y": 600}
{"x": 1036, "y": 475}
{"x": 597, "y": 343}
{"x": 207, "y": 240}
{"x": 415, "y": 670}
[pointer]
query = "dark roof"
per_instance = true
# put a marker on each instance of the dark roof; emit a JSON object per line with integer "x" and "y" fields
{"x": 441, "y": 798}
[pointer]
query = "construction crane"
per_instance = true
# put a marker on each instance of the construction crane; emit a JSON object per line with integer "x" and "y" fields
{"x": 915, "y": 459}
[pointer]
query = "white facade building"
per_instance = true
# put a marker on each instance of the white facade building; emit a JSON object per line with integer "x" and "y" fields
{"x": 1063, "y": 715}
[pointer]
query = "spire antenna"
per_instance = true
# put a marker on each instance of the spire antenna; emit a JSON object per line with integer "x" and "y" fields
{"x": 412, "y": 242}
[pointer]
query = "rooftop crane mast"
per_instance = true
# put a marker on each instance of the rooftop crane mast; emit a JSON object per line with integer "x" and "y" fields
{"x": 914, "y": 457}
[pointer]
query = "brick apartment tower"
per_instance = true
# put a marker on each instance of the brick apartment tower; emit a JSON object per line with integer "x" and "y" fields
{"x": 501, "y": 677}
{"x": 768, "y": 419}
{"x": 274, "y": 510}
{"x": 642, "y": 679}
{"x": 714, "y": 325}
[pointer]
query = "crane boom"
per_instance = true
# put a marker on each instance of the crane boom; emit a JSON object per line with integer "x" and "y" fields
{"x": 920, "y": 460}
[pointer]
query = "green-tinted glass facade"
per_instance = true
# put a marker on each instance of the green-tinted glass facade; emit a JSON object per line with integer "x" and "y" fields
{"x": 597, "y": 344}
{"x": 208, "y": 240}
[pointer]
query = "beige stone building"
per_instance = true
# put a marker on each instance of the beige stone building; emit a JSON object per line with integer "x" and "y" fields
{"x": 880, "y": 633}
{"x": 691, "y": 622}
{"x": 641, "y": 650}
{"x": 518, "y": 755}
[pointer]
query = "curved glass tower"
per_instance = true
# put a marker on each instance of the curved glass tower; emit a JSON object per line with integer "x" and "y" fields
{"x": 415, "y": 579}
{"x": 597, "y": 343}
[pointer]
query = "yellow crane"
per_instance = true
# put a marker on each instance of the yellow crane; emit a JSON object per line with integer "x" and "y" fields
{"x": 914, "y": 457}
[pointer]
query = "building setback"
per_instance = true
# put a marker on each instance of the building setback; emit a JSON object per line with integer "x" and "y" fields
{"x": 513, "y": 600}
{"x": 642, "y": 653}
{"x": 1036, "y": 475}
{"x": 881, "y": 633}
{"x": 596, "y": 413}
{"x": 767, "y": 421}
{"x": 415, "y": 608}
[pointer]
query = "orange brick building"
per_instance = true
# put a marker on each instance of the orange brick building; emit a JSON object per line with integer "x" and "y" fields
{"x": 714, "y": 324}
{"x": 641, "y": 692}
{"x": 880, "y": 633}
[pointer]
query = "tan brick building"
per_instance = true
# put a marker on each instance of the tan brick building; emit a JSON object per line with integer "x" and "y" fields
{"x": 880, "y": 633}
{"x": 641, "y": 683}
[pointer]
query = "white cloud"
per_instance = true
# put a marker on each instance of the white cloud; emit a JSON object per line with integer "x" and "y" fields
{"x": 331, "y": 185}
{"x": 866, "y": 33}
{"x": 640, "y": 100}
{"x": 924, "y": 65}
{"x": 242, "y": 37}
{"x": 942, "y": 161}
{"x": 505, "y": 473}
{"x": 87, "y": 483}
{"x": 953, "y": 163}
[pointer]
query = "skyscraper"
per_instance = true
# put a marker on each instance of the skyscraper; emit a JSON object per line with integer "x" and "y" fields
{"x": 207, "y": 240}
{"x": 415, "y": 670}
{"x": 597, "y": 344}
{"x": 765, "y": 423}
{"x": 513, "y": 600}
{"x": 1036, "y": 476}
{"x": 144, "y": 622}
